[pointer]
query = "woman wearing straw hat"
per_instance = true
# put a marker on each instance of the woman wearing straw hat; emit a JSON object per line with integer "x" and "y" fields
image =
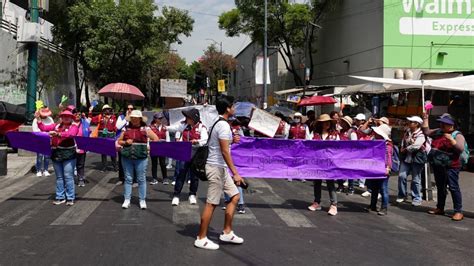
{"x": 134, "y": 149}
{"x": 325, "y": 130}
{"x": 63, "y": 157}
{"x": 382, "y": 132}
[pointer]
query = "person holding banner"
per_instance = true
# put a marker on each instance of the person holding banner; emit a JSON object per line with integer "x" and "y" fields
{"x": 219, "y": 161}
{"x": 163, "y": 135}
{"x": 363, "y": 132}
{"x": 43, "y": 116}
{"x": 195, "y": 132}
{"x": 106, "y": 128}
{"x": 299, "y": 130}
{"x": 83, "y": 130}
{"x": 325, "y": 130}
{"x": 345, "y": 134}
{"x": 64, "y": 156}
{"x": 122, "y": 122}
{"x": 134, "y": 149}
{"x": 382, "y": 132}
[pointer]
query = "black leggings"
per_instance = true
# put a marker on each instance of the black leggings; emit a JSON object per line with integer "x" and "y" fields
{"x": 154, "y": 167}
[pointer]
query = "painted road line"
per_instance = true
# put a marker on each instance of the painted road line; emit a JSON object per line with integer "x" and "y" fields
{"x": 248, "y": 218}
{"x": 186, "y": 213}
{"x": 82, "y": 209}
{"x": 20, "y": 184}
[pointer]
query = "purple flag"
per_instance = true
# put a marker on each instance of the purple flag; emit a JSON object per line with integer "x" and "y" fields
{"x": 306, "y": 159}
{"x": 38, "y": 142}
{"x": 103, "y": 146}
{"x": 180, "y": 151}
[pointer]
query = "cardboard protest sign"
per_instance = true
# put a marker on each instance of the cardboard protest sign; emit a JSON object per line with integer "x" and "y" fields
{"x": 264, "y": 122}
{"x": 173, "y": 88}
{"x": 208, "y": 114}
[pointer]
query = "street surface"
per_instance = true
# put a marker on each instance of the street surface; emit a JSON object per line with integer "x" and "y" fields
{"x": 277, "y": 228}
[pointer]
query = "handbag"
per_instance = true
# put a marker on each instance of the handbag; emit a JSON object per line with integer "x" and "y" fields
{"x": 439, "y": 158}
{"x": 199, "y": 160}
{"x": 63, "y": 154}
{"x": 420, "y": 157}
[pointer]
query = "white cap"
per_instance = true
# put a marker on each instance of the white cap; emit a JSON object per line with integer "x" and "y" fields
{"x": 360, "y": 117}
{"x": 416, "y": 119}
{"x": 297, "y": 114}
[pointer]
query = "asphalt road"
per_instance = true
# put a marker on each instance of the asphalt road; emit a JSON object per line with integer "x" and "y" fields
{"x": 277, "y": 228}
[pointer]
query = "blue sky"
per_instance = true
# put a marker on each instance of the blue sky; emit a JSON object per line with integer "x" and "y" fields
{"x": 204, "y": 13}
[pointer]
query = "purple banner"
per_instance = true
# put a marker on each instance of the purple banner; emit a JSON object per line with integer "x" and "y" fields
{"x": 306, "y": 159}
{"x": 38, "y": 142}
{"x": 180, "y": 151}
{"x": 103, "y": 146}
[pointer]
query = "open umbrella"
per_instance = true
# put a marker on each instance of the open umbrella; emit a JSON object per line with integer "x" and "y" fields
{"x": 317, "y": 100}
{"x": 122, "y": 91}
{"x": 243, "y": 109}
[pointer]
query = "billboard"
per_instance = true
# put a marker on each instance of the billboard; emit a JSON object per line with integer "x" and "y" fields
{"x": 429, "y": 34}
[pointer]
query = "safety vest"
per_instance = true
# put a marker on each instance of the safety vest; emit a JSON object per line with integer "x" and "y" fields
{"x": 192, "y": 133}
{"x": 298, "y": 131}
{"x": 331, "y": 136}
{"x": 61, "y": 142}
{"x": 161, "y": 133}
{"x": 139, "y": 149}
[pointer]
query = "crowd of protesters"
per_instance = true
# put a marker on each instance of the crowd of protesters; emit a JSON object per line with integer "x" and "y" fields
{"x": 443, "y": 148}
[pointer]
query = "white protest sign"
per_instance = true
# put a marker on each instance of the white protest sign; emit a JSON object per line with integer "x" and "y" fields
{"x": 208, "y": 114}
{"x": 173, "y": 88}
{"x": 264, "y": 122}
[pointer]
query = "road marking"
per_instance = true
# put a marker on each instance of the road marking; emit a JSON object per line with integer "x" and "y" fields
{"x": 403, "y": 223}
{"x": 18, "y": 185}
{"x": 186, "y": 213}
{"x": 248, "y": 218}
{"x": 82, "y": 209}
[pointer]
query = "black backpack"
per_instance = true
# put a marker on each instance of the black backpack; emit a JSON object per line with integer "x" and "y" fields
{"x": 199, "y": 160}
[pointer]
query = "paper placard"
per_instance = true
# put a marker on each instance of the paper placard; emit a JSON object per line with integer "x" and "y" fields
{"x": 264, "y": 122}
{"x": 173, "y": 88}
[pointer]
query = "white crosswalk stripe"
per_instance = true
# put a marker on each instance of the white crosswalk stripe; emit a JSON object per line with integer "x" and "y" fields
{"x": 186, "y": 213}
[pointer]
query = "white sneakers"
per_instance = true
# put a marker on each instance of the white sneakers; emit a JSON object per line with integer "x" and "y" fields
{"x": 46, "y": 173}
{"x": 366, "y": 194}
{"x": 205, "y": 243}
{"x": 39, "y": 174}
{"x": 143, "y": 204}
{"x": 126, "y": 204}
{"x": 400, "y": 200}
{"x": 192, "y": 200}
{"x": 175, "y": 201}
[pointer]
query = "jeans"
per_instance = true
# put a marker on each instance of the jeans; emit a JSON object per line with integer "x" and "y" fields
{"x": 379, "y": 186}
{"x": 80, "y": 164}
{"x": 40, "y": 159}
{"x": 241, "y": 200}
{"x": 139, "y": 168}
{"x": 154, "y": 167}
{"x": 65, "y": 179}
{"x": 362, "y": 181}
{"x": 415, "y": 170}
{"x": 181, "y": 178}
{"x": 331, "y": 189}
{"x": 448, "y": 177}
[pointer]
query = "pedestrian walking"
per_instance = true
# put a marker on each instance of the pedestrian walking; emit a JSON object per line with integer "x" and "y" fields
{"x": 163, "y": 135}
{"x": 445, "y": 157}
{"x": 134, "y": 143}
{"x": 325, "y": 131}
{"x": 413, "y": 159}
{"x": 218, "y": 162}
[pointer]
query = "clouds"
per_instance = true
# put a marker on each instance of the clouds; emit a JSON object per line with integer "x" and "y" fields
{"x": 205, "y": 14}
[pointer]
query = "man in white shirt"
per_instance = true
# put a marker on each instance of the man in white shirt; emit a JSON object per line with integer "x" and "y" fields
{"x": 219, "y": 159}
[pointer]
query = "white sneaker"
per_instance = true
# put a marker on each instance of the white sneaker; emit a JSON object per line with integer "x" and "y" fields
{"x": 192, "y": 200}
{"x": 346, "y": 183}
{"x": 46, "y": 173}
{"x": 39, "y": 174}
{"x": 169, "y": 166}
{"x": 143, "y": 204}
{"x": 379, "y": 196}
{"x": 366, "y": 194}
{"x": 205, "y": 243}
{"x": 175, "y": 201}
{"x": 303, "y": 180}
{"x": 173, "y": 183}
{"x": 126, "y": 204}
{"x": 361, "y": 186}
{"x": 231, "y": 238}
{"x": 289, "y": 180}
{"x": 189, "y": 181}
{"x": 400, "y": 200}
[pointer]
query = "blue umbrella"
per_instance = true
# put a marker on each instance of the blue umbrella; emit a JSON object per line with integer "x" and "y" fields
{"x": 243, "y": 109}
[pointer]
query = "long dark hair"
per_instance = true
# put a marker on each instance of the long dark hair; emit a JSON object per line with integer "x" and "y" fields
{"x": 318, "y": 127}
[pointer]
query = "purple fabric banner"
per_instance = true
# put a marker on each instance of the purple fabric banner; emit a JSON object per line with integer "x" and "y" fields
{"x": 180, "y": 151}
{"x": 103, "y": 146}
{"x": 306, "y": 159}
{"x": 38, "y": 142}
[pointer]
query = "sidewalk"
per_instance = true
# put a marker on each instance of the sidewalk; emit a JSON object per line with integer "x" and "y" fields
{"x": 18, "y": 166}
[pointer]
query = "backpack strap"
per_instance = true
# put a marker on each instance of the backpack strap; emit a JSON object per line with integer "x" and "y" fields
{"x": 212, "y": 128}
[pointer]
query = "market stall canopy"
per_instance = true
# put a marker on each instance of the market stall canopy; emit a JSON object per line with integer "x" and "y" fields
{"x": 284, "y": 110}
{"x": 317, "y": 100}
{"x": 368, "y": 88}
{"x": 465, "y": 83}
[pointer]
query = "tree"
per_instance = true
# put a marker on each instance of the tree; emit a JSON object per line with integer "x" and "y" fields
{"x": 290, "y": 27}
{"x": 216, "y": 65}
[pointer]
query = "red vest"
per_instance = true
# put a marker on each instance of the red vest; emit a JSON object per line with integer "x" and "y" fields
{"x": 281, "y": 128}
{"x": 346, "y": 135}
{"x": 332, "y": 136}
{"x": 138, "y": 135}
{"x": 160, "y": 133}
{"x": 298, "y": 131}
{"x": 363, "y": 136}
{"x": 108, "y": 123}
{"x": 190, "y": 134}
{"x": 443, "y": 144}
{"x": 58, "y": 141}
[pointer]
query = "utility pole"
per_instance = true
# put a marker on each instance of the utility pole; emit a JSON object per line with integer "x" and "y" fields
{"x": 265, "y": 52}
{"x": 32, "y": 68}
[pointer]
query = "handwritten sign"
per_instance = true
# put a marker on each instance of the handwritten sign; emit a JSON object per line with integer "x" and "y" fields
{"x": 264, "y": 122}
{"x": 307, "y": 159}
{"x": 173, "y": 88}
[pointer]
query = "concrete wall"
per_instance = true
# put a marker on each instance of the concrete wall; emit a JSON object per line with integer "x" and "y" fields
{"x": 353, "y": 33}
